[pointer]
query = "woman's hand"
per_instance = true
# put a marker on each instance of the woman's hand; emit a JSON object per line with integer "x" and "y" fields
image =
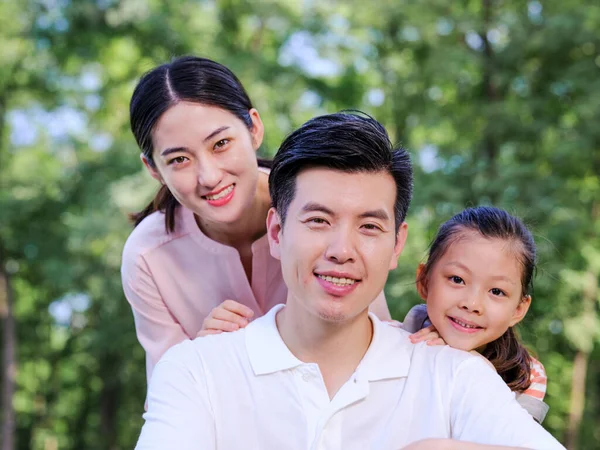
{"x": 228, "y": 316}
{"x": 428, "y": 334}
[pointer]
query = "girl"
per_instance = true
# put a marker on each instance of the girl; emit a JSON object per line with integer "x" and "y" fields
{"x": 201, "y": 242}
{"x": 476, "y": 284}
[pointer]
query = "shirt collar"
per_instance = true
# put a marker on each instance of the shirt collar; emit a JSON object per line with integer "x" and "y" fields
{"x": 266, "y": 350}
{"x": 388, "y": 355}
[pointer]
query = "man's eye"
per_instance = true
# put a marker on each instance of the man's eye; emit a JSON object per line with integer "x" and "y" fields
{"x": 178, "y": 160}
{"x": 456, "y": 279}
{"x": 317, "y": 220}
{"x": 371, "y": 227}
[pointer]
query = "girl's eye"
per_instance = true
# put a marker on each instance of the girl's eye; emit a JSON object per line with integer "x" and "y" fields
{"x": 220, "y": 144}
{"x": 178, "y": 160}
{"x": 456, "y": 279}
{"x": 498, "y": 292}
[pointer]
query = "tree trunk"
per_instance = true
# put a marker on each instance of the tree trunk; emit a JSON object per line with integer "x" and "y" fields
{"x": 110, "y": 396}
{"x": 9, "y": 344}
{"x": 580, "y": 368}
{"x": 7, "y": 321}
{"x": 577, "y": 399}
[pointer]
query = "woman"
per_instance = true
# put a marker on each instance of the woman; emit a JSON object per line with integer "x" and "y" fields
{"x": 198, "y": 261}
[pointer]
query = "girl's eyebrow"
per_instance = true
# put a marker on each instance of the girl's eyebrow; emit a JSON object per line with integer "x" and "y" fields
{"x": 504, "y": 278}
{"x": 466, "y": 269}
{"x": 459, "y": 265}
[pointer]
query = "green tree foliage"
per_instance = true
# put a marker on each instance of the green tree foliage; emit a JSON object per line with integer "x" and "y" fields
{"x": 497, "y": 101}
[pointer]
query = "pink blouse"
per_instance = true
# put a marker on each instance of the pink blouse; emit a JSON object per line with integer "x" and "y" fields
{"x": 173, "y": 280}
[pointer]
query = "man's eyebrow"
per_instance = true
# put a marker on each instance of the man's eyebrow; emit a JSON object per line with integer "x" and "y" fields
{"x": 375, "y": 214}
{"x": 317, "y": 207}
{"x": 170, "y": 150}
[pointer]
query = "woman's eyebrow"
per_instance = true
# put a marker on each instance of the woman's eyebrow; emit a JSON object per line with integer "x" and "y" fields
{"x": 214, "y": 133}
{"x": 170, "y": 150}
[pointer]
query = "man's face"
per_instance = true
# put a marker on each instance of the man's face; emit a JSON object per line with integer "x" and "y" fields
{"x": 338, "y": 242}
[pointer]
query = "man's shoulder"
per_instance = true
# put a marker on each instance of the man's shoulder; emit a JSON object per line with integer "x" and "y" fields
{"x": 443, "y": 361}
{"x": 210, "y": 351}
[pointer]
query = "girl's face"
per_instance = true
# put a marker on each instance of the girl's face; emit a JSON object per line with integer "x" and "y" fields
{"x": 207, "y": 158}
{"x": 473, "y": 292}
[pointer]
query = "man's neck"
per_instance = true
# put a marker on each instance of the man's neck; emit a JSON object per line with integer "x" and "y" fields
{"x": 337, "y": 348}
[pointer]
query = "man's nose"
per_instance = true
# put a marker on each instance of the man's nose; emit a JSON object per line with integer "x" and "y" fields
{"x": 342, "y": 247}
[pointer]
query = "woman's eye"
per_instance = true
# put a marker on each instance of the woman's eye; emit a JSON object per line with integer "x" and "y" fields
{"x": 220, "y": 144}
{"x": 496, "y": 291}
{"x": 456, "y": 279}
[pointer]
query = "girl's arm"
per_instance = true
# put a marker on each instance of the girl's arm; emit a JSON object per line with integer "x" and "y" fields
{"x": 533, "y": 398}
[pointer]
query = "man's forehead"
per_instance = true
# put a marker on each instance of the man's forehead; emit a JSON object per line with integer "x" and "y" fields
{"x": 335, "y": 190}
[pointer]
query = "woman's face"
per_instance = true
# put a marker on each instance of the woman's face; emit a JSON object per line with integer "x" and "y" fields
{"x": 207, "y": 158}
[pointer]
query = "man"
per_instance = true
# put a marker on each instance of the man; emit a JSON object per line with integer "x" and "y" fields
{"x": 320, "y": 372}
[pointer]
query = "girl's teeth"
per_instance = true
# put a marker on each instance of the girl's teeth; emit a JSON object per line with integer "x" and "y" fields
{"x": 338, "y": 281}
{"x": 221, "y": 194}
{"x": 462, "y": 324}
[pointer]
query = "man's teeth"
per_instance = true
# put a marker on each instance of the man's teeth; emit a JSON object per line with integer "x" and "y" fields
{"x": 462, "y": 324}
{"x": 221, "y": 194}
{"x": 337, "y": 281}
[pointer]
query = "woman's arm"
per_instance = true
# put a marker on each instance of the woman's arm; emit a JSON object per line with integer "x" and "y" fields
{"x": 156, "y": 328}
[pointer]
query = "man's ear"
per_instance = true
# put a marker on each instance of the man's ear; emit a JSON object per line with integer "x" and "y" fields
{"x": 258, "y": 129}
{"x": 399, "y": 245}
{"x": 274, "y": 231}
{"x": 421, "y": 282}
{"x": 521, "y": 310}
{"x": 151, "y": 168}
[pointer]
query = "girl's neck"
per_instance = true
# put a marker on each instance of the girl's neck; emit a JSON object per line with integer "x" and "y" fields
{"x": 249, "y": 227}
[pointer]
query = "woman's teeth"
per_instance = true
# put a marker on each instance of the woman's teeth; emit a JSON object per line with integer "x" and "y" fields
{"x": 221, "y": 194}
{"x": 337, "y": 281}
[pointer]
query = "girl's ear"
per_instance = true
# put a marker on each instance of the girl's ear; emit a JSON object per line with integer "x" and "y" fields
{"x": 421, "y": 282}
{"x": 521, "y": 310}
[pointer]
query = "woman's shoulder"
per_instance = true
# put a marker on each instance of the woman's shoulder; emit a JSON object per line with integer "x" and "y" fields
{"x": 150, "y": 234}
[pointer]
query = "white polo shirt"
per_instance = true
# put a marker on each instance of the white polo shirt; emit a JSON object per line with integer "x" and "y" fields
{"x": 246, "y": 390}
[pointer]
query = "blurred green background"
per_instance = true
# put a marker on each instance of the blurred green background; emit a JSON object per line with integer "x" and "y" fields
{"x": 497, "y": 101}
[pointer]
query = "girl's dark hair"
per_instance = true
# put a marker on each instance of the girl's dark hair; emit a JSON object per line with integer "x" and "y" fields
{"x": 510, "y": 358}
{"x": 189, "y": 79}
